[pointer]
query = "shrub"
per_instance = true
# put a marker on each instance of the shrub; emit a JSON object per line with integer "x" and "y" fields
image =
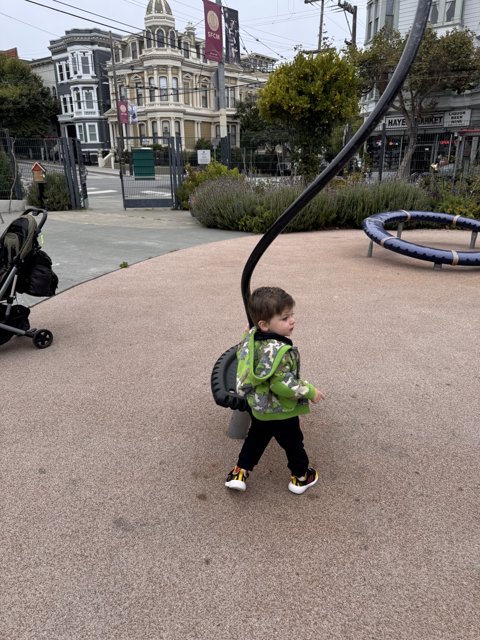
{"x": 57, "y": 196}
{"x": 234, "y": 204}
{"x": 6, "y": 177}
{"x": 196, "y": 176}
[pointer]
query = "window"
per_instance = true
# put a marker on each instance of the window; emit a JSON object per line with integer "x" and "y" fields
{"x": 61, "y": 74}
{"x": 163, "y": 89}
{"x": 67, "y": 71}
{"x": 175, "y": 93}
{"x": 149, "y": 39}
{"x": 151, "y": 89}
{"x": 230, "y": 97}
{"x": 186, "y": 49}
{"x": 154, "y": 130}
{"x": 204, "y": 96}
{"x": 64, "y": 104}
{"x": 160, "y": 38}
{"x": 232, "y": 133}
{"x": 449, "y": 10}
{"x": 139, "y": 93}
{"x": 165, "y": 128}
{"x": 77, "y": 98}
{"x": 173, "y": 39}
{"x": 134, "y": 50}
{"x": 142, "y": 131}
{"x": 389, "y": 13}
{"x": 85, "y": 64}
{"x": 80, "y": 132}
{"x": 92, "y": 132}
{"x": 88, "y": 97}
{"x": 178, "y": 132}
{"x": 117, "y": 53}
{"x": 186, "y": 91}
{"x": 445, "y": 11}
{"x": 123, "y": 92}
{"x": 74, "y": 64}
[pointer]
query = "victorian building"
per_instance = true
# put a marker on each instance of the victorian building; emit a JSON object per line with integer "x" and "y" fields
{"x": 171, "y": 89}
{"x": 79, "y": 62}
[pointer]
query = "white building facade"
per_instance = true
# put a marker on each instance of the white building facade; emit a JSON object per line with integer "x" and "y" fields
{"x": 452, "y": 130}
{"x": 171, "y": 89}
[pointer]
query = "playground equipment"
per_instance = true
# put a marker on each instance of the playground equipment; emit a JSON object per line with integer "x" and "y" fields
{"x": 224, "y": 370}
{"x": 374, "y": 228}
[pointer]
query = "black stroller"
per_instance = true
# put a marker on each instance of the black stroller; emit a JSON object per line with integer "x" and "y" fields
{"x": 24, "y": 268}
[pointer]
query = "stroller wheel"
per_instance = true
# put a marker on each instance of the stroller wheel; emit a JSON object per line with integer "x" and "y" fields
{"x": 42, "y": 338}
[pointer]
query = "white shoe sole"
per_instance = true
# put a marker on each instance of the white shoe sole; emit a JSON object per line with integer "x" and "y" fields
{"x": 239, "y": 485}
{"x": 298, "y": 490}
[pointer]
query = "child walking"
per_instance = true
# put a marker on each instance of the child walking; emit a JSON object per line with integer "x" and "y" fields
{"x": 268, "y": 377}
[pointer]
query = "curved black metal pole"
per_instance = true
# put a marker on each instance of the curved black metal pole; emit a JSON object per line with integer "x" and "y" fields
{"x": 396, "y": 81}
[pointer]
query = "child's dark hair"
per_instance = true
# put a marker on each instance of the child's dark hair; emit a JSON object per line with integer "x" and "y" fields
{"x": 266, "y": 302}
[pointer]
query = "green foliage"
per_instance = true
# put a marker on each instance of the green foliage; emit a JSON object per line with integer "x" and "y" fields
{"x": 236, "y": 205}
{"x": 196, "y": 176}
{"x": 6, "y": 176}
{"x": 201, "y": 143}
{"x": 27, "y": 107}
{"x": 462, "y": 200}
{"x": 311, "y": 96}
{"x": 57, "y": 197}
{"x": 124, "y": 265}
{"x": 255, "y": 131}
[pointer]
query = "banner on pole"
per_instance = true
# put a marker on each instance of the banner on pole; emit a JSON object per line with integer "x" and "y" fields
{"x": 123, "y": 111}
{"x": 132, "y": 112}
{"x": 213, "y": 31}
{"x": 232, "y": 36}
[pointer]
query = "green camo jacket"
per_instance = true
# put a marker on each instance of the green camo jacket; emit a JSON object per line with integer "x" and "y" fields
{"x": 268, "y": 376}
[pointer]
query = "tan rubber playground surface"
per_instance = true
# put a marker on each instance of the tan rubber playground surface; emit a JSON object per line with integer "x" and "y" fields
{"x": 115, "y": 520}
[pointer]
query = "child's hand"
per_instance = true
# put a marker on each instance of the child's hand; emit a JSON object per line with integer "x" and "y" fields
{"x": 318, "y": 396}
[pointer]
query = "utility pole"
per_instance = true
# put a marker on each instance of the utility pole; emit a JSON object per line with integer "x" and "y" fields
{"x": 348, "y": 8}
{"x": 221, "y": 107}
{"x": 320, "y": 29}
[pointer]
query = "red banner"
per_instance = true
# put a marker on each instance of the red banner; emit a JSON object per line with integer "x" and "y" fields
{"x": 213, "y": 31}
{"x": 123, "y": 111}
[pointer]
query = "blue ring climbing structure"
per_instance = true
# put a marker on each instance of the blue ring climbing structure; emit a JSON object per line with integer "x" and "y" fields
{"x": 374, "y": 228}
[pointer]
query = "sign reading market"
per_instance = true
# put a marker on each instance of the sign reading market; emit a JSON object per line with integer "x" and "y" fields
{"x": 459, "y": 118}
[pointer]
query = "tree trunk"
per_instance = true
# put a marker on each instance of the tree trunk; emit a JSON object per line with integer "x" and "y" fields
{"x": 403, "y": 172}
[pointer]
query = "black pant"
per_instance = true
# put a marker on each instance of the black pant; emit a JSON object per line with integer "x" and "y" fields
{"x": 288, "y": 435}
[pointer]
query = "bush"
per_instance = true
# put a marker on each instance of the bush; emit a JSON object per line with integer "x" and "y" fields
{"x": 196, "y": 176}
{"x": 234, "y": 204}
{"x": 6, "y": 177}
{"x": 57, "y": 196}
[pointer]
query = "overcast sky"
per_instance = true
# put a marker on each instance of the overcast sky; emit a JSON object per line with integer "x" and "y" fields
{"x": 271, "y": 27}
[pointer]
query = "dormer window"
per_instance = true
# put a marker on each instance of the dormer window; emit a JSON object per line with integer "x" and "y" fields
{"x": 134, "y": 50}
{"x": 186, "y": 49}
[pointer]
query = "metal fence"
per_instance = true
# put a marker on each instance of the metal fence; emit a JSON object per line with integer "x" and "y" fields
{"x": 56, "y": 156}
{"x": 449, "y": 153}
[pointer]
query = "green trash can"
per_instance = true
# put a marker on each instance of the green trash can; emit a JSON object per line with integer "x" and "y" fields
{"x": 143, "y": 161}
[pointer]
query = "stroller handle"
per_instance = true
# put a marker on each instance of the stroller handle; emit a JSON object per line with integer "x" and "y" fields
{"x": 35, "y": 211}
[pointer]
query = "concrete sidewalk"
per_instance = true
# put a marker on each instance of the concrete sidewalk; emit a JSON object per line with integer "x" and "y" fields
{"x": 116, "y": 524}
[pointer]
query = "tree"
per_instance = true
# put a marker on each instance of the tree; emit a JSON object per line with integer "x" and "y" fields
{"x": 444, "y": 63}
{"x": 255, "y": 131}
{"x": 311, "y": 96}
{"x": 27, "y": 107}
